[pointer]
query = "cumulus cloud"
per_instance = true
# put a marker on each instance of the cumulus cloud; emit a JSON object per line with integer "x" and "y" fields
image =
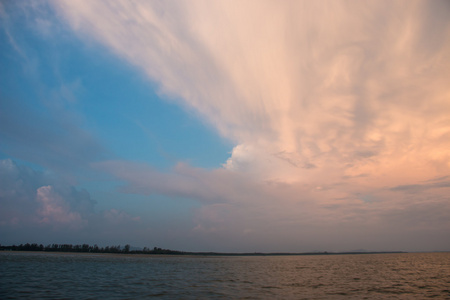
{"x": 36, "y": 205}
{"x": 33, "y": 197}
{"x": 54, "y": 210}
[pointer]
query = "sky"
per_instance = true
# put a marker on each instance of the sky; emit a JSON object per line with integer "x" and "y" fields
{"x": 258, "y": 126}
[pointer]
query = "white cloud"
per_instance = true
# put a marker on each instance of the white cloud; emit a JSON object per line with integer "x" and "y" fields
{"x": 39, "y": 207}
{"x": 54, "y": 210}
{"x": 331, "y": 105}
{"x": 239, "y": 213}
{"x": 32, "y": 198}
{"x": 339, "y": 85}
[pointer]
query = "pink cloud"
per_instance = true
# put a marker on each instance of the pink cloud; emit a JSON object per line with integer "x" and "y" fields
{"x": 54, "y": 210}
{"x": 41, "y": 208}
{"x": 330, "y": 105}
{"x": 267, "y": 213}
{"x": 323, "y": 89}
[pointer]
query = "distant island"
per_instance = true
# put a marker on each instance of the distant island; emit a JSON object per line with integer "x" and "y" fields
{"x": 86, "y": 248}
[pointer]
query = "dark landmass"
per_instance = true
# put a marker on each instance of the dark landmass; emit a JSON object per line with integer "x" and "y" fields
{"x": 86, "y": 248}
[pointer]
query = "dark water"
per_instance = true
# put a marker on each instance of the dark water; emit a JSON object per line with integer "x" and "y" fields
{"x": 370, "y": 276}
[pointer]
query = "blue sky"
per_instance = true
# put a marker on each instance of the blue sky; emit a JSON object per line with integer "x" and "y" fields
{"x": 70, "y": 104}
{"x": 207, "y": 127}
{"x": 107, "y": 99}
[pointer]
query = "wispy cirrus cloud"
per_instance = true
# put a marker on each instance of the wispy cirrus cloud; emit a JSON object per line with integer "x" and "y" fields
{"x": 40, "y": 119}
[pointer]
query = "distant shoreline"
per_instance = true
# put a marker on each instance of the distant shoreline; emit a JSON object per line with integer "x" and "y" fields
{"x": 156, "y": 251}
{"x": 98, "y": 254}
{"x": 198, "y": 254}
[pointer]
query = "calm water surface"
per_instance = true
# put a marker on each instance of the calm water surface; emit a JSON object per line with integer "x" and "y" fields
{"x": 85, "y": 276}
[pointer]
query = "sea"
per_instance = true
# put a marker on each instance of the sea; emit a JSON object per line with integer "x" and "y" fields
{"x": 41, "y": 275}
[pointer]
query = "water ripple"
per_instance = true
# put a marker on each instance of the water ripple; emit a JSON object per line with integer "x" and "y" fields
{"x": 373, "y": 276}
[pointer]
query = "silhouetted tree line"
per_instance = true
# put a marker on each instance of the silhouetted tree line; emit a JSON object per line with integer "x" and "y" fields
{"x": 87, "y": 248}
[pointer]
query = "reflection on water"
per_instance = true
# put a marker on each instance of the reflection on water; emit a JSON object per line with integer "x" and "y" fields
{"x": 85, "y": 276}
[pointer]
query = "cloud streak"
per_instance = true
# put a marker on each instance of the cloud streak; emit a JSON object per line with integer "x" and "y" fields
{"x": 40, "y": 119}
{"x": 298, "y": 86}
{"x": 338, "y": 112}
{"x": 274, "y": 215}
